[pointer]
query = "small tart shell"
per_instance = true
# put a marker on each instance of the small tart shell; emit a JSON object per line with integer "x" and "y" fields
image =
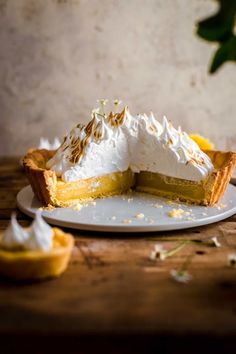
{"x": 37, "y": 265}
{"x": 44, "y": 182}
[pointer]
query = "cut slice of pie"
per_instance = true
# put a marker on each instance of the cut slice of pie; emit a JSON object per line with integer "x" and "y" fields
{"x": 51, "y": 190}
{"x": 118, "y": 151}
{"x": 206, "y": 192}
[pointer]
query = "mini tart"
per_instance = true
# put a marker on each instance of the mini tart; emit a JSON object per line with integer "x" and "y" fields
{"x": 51, "y": 190}
{"x": 37, "y": 265}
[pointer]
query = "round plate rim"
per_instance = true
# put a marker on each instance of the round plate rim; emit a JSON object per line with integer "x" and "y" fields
{"x": 120, "y": 228}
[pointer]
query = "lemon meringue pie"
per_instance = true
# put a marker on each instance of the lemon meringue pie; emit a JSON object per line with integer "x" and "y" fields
{"x": 36, "y": 253}
{"x": 118, "y": 151}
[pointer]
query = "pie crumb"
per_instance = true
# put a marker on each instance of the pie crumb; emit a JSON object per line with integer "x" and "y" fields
{"x": 48, "y": 207}
{"x": 178, "y": 213}
{"x": 171, "y": 202}
{"x": 139, "y": 216}
{"x": 221, "y": 206}
{"x": 127, "y": 221}
{"x": 157, "y": 205}
{"x": 77, "y": 206}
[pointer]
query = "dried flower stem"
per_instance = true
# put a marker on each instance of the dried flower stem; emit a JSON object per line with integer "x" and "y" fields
{"x": 177, "y": 248}
{"x": 186, "y": 263}
{"x": 211, "y": 242}
{"x": 103, "y": 103}
{"x": 224, "y": 233}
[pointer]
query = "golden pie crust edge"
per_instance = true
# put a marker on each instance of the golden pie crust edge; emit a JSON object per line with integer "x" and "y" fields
{"x": 219, "y": 179}
{"x": 43, "y": 181}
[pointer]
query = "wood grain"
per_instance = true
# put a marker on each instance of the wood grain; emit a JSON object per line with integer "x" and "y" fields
{"x": 114, "y": 297}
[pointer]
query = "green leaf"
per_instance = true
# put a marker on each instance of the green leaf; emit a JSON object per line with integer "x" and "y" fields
{"x": 226, "y": 52}
{"x": 219, "y": 26}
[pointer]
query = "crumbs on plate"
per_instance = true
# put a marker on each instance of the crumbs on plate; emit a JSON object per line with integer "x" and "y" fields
{"x": 127, "y": 221}
{"x": 139, "y": 216}
{"x": 178, "y": 213}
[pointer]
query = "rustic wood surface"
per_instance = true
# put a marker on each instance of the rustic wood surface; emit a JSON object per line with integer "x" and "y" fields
{"x": 114, "y": 297}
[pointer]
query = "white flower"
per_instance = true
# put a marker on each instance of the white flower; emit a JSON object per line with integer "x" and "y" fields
{"x": 102, "y": 101}
{"x": 215, "y": 242}
{"x": 158, "y": 253}
{"x": 181, "y": 276}
{"x": 232, "y": 260}
{"x": 117, "y": 102}
{"x": 95, "y": 111}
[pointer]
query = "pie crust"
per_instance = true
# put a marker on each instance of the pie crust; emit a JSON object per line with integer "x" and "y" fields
{"x": 36, "y": 265}
{"x": 46, "y": 185}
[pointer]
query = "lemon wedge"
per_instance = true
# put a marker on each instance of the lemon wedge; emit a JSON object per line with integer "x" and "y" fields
{"x": 203, "y": 143}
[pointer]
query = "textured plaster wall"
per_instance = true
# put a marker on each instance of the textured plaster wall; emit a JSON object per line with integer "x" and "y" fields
{"x": 58, "y": 57}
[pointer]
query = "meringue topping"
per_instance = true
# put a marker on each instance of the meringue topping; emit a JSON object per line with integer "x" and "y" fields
{"x": 118, "y": 141}
{"x": 14, "y": 236}
{"x": 44, "y": 143}
{"x": 38, "y": 237}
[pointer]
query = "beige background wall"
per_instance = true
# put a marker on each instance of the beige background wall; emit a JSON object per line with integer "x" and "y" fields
{"x": 58, "y": 57}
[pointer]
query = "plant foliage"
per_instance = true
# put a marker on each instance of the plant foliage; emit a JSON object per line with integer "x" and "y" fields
{"x": 220, "y": 28}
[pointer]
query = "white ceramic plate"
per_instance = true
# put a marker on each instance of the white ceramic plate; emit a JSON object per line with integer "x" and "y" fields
{"x": 100, "y": 217}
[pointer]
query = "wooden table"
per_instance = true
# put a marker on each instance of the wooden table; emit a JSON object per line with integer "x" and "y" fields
{"x": 114, "y": 299}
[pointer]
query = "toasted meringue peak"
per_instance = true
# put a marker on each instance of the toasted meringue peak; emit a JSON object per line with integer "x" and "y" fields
{"x": 117, "y": 141}
{"x": 117, "y": 119}
{"x": 38, "y": 237}
{"x": 44, "y": 143}
{"x": 14, "y": 236}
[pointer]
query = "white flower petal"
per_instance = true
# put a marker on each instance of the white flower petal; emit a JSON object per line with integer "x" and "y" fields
{"x": 215, "y": 242}
{"x": 158, "y": 252}
{"x": 180, "y": 276}
{"x": 232, "y": 259}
